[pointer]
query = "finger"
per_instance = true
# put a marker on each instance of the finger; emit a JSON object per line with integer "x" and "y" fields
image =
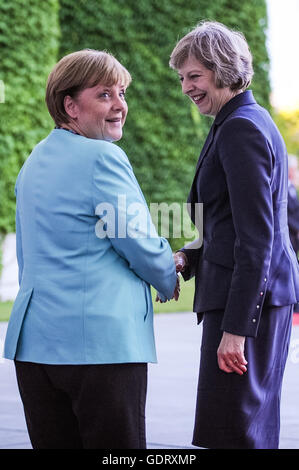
{"x": 180, "y": 266}
{"x": 237, "y": 367}
{"x": 223, "y": 365}
{"x": 227, "y": 364}
{"x": 179, "y": 262}
{"x": 241, "y": 359}
{"x": 175, "y": 294}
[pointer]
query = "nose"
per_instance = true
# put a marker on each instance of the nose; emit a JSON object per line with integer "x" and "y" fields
{"x": 186, "y": 86}
{"x": 119, "y": 104}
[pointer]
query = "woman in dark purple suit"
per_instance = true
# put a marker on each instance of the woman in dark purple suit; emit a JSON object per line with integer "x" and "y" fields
{"x": 246, "y": 272}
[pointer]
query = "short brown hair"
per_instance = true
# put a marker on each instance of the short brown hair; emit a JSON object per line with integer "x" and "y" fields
{"x": 220, "y": 49}
{"x": 80, "y": 70}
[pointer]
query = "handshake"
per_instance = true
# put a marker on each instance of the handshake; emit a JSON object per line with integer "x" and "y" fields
{"x": 180, "y": 263}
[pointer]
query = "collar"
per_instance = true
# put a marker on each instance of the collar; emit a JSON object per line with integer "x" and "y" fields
{"x": 242, "y": 99}
{"x": 68, "y": 130}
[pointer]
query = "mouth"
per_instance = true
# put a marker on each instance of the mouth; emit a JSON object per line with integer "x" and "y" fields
{"x": 197, "y": 99}
{"x": 114, "y": 120}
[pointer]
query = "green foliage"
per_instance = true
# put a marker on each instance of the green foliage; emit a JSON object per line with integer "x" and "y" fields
{"x": 29, "y": 45}
{"x": 164, "y": 132}
{"x": 288, "y": 124}
{"x": 5, "y": 309}
{"x": 251, "y": 19}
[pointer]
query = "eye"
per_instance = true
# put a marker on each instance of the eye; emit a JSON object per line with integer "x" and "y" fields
{"x": 123, "y": 94}
{"x": 104, "y": 94}
{"x": 193, "y": 77}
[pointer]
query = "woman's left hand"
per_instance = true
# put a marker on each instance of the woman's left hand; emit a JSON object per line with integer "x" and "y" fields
{"x": 231, "y": 353}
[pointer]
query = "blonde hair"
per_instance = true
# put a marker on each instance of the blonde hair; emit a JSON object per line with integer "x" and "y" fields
{"x": 80, "y": 70}
{"x": 220, "y": 49}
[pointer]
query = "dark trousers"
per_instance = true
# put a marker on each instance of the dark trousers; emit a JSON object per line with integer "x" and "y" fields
{"x": 84, "y": 406}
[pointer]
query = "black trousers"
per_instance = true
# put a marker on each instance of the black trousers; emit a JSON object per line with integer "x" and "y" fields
{"x": 84, "y": 406}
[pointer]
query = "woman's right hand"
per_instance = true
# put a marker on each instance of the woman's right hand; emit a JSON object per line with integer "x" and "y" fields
{"x": 176, "y": 293}
{"x": 180, "y": 260}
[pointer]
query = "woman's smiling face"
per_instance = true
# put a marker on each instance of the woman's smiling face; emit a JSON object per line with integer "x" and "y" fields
{"x": 198, "y": 83}
{"x": 98, "y": 112}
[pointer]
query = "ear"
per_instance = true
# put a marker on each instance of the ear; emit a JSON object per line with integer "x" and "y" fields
{"x": 70, "y": 106}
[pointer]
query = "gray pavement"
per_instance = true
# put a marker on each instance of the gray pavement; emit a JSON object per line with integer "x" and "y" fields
{"x": 171, "y": 390}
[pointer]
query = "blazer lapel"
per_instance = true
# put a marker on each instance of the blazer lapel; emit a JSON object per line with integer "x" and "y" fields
{"x": 241, "y": 99}
{"x": 206, "y": 146}
{"x": 192, "y": 198}
{"x": 192, "y": 195}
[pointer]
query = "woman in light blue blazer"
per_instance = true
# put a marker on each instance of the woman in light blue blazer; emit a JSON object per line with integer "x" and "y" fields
{"x": 81, "y": 329}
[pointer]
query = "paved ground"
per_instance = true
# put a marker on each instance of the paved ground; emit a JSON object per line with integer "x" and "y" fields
{"x": 171, "y": 392}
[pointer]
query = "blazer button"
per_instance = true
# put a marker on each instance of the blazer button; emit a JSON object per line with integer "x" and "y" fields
{"x": 265, "y": 279}
{"x": 257, "y": 306}
{"x": 261, "y": 293}
{"x": 254, "y": 320}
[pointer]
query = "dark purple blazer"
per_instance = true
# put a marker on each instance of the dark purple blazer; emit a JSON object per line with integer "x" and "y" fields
{"x": 246, "y": 260}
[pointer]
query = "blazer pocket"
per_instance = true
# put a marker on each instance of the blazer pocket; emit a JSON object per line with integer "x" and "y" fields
{"x": 16, "y": 321}
{"x": 221, "y": 253}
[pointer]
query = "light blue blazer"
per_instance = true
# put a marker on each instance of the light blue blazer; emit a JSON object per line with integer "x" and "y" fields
{"x": 87, "y": 253}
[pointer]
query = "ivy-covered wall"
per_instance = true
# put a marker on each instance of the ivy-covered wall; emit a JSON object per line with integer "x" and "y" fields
{"x": 164, "y": 132}
{"x": 250, "y": 18}
{"x": 29, "y": 32}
